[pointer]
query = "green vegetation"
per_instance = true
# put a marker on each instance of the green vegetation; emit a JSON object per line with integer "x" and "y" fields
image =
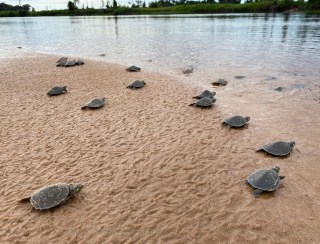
{"x": 168, "y": 7}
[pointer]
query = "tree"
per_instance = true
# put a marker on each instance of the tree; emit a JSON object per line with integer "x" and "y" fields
{"x": 115, "y": 4}
{"x": 71, "y": 6}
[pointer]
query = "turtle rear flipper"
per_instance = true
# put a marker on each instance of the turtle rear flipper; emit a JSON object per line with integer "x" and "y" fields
{"x": 192, "y": 104}
{"x": 256, "y": 193}
{"x": 282, "y": 177}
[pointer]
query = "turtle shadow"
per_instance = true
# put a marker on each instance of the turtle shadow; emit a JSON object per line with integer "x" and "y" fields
{"x": 268, "y": 155}
{"x": 245, "y": 127}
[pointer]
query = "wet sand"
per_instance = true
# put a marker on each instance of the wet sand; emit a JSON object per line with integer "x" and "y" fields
{"x": 155, "y": 170}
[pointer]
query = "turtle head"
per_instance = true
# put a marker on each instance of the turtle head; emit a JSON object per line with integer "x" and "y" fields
{"x": 214, "y": 93}
{"x": 103, "y": 99}
{"x": 292, "y": 143}
{"x": 276, "y": 169}
{"x": 247, "y": 118}
{"x": 75, "y": 188}
{"x": 65, "y": 88}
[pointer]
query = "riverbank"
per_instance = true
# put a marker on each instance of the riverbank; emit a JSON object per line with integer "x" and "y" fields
{"x": 153, "y": 168}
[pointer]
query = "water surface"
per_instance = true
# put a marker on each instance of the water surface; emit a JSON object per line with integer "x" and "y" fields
{"x": 268, "y": 45}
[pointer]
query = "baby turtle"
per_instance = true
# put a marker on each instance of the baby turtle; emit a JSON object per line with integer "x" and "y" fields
{"x": 206, "y": 93}
{"x": 278, "y": 148}
{"x": 57, "y": 90}
{"x": 220, "y": 82}
{"x": 95, "y": 103}
{"x": 239, "y": 77}
{"x": 133, "y": 69}
{"x": 137, "y": 84}
{"x": 188, "y": 70}
{"x": 236, "y": 121}
{"x": 204, "y": 102}
{"x": 264, "y": 180}
{"x": 53, "y": 195}
{"x": 62, "y": 61}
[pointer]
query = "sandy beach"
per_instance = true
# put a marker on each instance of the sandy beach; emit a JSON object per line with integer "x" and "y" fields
{"x": 154, "y": 169}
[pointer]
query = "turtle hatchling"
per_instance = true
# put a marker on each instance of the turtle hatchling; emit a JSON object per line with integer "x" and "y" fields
{"x": 206, "y": 93}
{"x": 137, "y": 84}
{"x": 220, "y": 82}
{"x": 278, "y": 148}
{"x": 57, "y": 90}
{"x": 53, "y": 195}
{"x": 264, "y": 180}
{"x": 236, "y": 121}
{"x": 204, "y": 102}
{"x": 133, "y": 68}
{"x": 62, "y": 61}
{"x": 95, "y": 103}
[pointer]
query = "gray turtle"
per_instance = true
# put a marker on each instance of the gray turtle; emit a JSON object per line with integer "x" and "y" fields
{"x": 204, "y": 102}
{"x": 264, "y": 180}
{"x": 188, "y": 70}
{"x": 53, "y": 195}
{"x": 137, "y": 84}
{"x": 95, "y": 103}
{"x": 239, "y": 77}
{"x": 57, "y": 90}
{"x": 236, "y": 121}
{"x": 278, "y": 148}
{"x": 220, "y": 82}
{"x": 62, "y": 61}
{"x": 133, "y": 68}
{"x": 206, "y": 93}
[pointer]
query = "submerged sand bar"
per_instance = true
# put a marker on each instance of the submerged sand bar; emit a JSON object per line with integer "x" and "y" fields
{"x": 154, "y": 169}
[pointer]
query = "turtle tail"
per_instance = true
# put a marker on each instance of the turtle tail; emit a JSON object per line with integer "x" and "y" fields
{"x": 25, "y": 199}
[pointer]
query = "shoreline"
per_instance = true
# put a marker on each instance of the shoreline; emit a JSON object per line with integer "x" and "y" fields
{"x": 153, "y": 168}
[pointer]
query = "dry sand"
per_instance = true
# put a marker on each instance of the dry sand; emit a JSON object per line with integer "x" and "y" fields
{"x": 155, "y": 170}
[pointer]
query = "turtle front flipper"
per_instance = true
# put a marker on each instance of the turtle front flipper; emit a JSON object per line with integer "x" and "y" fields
{"x": 192, "y": 104}
{"x": 84, "y": 107}
{"x": 256, "y": 193}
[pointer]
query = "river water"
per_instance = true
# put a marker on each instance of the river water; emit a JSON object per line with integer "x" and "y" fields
{"x": 241, "y": 44}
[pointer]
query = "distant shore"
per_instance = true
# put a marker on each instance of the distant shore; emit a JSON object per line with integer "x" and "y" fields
{"x": 196, "y": 8}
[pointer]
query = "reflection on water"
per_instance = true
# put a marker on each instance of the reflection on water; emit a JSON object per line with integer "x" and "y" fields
{"x": 243, "y": 42}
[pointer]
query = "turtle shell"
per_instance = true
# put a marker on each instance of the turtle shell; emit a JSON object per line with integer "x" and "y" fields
{"x": 236, "y": 121}
{"x": 205, "y": 102}
{"x": 265, "y": 179}
{"x": 220, "y": 82}
{"x": 278, "y": 148}
{"x": 62, "y": 62}
{"x": 50, "y": 196}
{"x": 62, "y": 59}
{"x": 57, "y": 90}
{"x": 133, "y": 68}
{"x": 95, "y": 103}
{"x": 205, "y": 93}
{"x": 137, "y": 84}
{"x": 70, "y": 63}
